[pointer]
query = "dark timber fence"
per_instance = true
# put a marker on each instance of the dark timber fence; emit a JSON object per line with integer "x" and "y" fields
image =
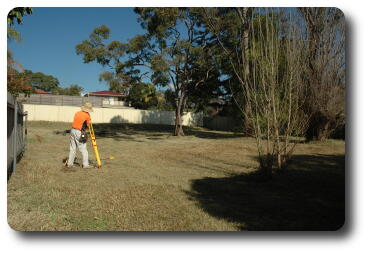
{"x": 16, "y": 131}
{"x": 60, "y": 100}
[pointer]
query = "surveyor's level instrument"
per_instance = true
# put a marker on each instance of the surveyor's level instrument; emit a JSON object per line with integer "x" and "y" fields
{"x": 94, "y": 144}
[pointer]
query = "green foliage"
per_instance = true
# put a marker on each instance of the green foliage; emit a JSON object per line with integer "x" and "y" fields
{"x": 143, "y": 96}
{"x": 119, "y": 82}
{"x": 159, "y": 63}
{"x": 13, "y": 35}
{"x": 94, "y": 49}
{"x": 75, "y": 90}
{"x": 17, "y": 81}
{"x": 158, "y": 20}
{"x": 49, "y": 83}
{"x": 42, "y": 81}
{"x": 175, "y": 51}
{"x": 137, "y": 43}
{"x": 160, "y": 78}
{"x": 110, "y": 54}
{"x": 169, "y": 100}
{"x": 17, "y": 14}
{"x": 72, "y": 90}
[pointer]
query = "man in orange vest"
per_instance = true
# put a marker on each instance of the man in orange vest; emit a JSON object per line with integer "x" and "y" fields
{"x": 78, "y": 137}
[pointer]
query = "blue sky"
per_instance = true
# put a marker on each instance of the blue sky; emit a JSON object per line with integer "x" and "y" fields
{"x": 49, "y": 37}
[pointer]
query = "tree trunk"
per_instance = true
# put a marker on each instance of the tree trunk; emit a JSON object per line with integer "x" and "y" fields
{"x": 324, "y": 132}
{"x": 266, "y": 163}
{"x": 319, "y": 128}
{"x": 178, "y": 124}
{"x": 321, "y": 123}
{"x": 180, "y": 105}
{"x": 245, "y": 14}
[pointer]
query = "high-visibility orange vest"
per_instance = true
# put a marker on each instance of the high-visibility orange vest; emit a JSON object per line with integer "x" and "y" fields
{"x": 79, "y": 118}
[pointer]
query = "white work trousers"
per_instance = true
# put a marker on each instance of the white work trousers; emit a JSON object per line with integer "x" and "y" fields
{"x": 82, "y": 147}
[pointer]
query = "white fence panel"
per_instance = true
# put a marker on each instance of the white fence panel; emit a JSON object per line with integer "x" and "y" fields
{"x": 110, "y": 115}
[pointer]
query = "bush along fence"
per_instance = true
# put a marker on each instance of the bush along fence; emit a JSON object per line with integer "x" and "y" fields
{"x": 16, "y": 131}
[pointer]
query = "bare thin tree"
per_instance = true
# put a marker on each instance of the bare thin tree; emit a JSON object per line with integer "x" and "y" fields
{"x": 268, "y": 71}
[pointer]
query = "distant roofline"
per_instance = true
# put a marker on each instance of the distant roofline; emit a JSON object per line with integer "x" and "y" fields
{"x": 41, "y": 91}
{"x": 106, "y": 93}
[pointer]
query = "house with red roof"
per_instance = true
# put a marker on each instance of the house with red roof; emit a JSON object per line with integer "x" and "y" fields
{"x": 40, "y": 91}
{"x": 110, "y": 98}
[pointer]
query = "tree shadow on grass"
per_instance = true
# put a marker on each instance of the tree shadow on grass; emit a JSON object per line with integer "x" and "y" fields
{"x": 209, "y": 134}
{"x": 308, "y": 196}
{"x": 125, "y": 131}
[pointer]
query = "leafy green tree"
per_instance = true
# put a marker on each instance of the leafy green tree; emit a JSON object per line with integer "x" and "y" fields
{"x": 110, "y": 55}
{"x": 182, "y": 56}
{"x": 173, "y": 51}
{"x": 169, "y": 96}
{"x": 17, "y": 15}
{"x": 163, "y": 103}
{"x": 75, "y": 90}
{"x": 143, "y": 96}
{"x": 42, "y": 81}
{"x": 17, "y": 81}
{"x": 72, "y": 90}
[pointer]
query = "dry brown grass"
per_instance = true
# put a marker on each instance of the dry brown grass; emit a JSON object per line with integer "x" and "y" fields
{"x": 159, "y": 182}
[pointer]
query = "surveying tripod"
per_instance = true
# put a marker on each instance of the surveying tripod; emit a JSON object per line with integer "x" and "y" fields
{"x": 94, "y": 144}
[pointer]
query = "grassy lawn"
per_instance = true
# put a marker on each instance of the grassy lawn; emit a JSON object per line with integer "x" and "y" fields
{"x": 203, "y": 181}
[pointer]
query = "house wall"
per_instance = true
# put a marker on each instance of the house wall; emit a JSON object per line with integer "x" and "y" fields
{"x": 109, "y": 115}
{"x": 111, "y": 100}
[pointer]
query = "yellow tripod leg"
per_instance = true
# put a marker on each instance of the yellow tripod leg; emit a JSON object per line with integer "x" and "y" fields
{"x": 94, "y": 145}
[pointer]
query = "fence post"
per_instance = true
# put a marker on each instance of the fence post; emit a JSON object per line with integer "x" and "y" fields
{"x": 15, "y": 134}
{"x": 25, "y": 130}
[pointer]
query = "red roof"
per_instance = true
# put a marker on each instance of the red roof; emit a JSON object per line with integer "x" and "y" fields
{"x": 107, "y": 93}
{"x": 40, "y": 91}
